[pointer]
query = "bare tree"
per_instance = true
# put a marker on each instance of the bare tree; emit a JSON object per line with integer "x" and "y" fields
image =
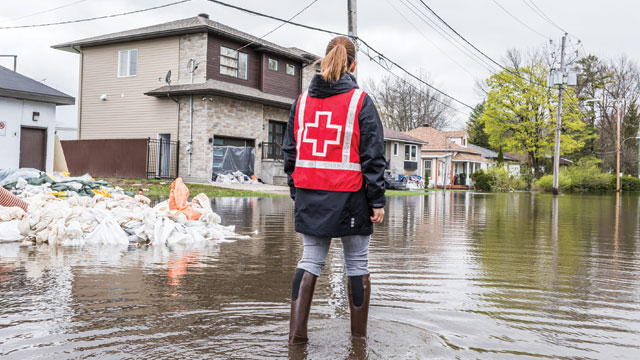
{"x": 405, "y": 104}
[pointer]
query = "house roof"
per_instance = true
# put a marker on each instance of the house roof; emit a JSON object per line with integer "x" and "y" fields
{"x": 490, "y": 154}
{"x": 196, "y": 24}
{"x": 469, "y": 157}
{"x": 437, "y": 141}
{"x": 18, "y": 86}
{"x": 454, "y": 133}
{"x": 391, "y": 134}
{"x": 216, "y": 87}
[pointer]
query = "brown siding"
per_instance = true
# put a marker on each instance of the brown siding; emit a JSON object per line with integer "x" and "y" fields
{"x": 213, "y": 62}
{"x": 127, "y": 112}
{"x": 278, "y": 82}
{"x": 109, "y": 158}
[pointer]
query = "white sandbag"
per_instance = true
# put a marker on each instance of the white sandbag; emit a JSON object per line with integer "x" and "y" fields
{"x": 9, "y": 231}
{"x": 11, "y": 213}
{"x": 108, "y": 232}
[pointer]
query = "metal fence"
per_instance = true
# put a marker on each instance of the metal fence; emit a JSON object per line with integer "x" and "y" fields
{"x": 271, "y": 150}
{"x": 163, "y": 159}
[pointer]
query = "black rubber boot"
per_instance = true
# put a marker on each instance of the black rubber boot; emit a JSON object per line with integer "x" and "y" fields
{"x": 359, "y": 294}
{"x": 301, "y": 295}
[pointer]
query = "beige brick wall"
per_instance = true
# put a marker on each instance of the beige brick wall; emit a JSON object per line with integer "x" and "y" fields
{"x": 193, "y": 46}
{"x": 218, "y": 116}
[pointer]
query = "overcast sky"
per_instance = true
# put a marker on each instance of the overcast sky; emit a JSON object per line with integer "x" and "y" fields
{"x": 606, "y": 29}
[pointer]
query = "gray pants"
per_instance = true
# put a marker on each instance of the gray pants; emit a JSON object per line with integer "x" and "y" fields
{"x": 356, "y": 254}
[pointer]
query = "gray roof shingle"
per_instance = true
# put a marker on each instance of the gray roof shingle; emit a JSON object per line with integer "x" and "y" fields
{"x": 15, "y": 85}
{"x": 190, "y": 25}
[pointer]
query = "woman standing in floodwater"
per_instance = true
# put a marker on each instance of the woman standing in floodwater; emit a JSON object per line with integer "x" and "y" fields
{"x": 334, "y": 156}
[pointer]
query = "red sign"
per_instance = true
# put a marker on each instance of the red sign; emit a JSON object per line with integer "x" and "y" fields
{"x": 3, "y": 127}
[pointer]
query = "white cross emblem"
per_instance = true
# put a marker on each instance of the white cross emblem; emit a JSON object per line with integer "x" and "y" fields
{"x": 328, "y": 125}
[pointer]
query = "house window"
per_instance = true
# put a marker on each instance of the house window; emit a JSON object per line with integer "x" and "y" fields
{"x": 127, "y": 62}
{"x": 233, "y": 63}
{"x": 427, "y": 169}
{"x": 291, "y": 69}
{"x": 465, "y": 142}
{"x": 410, "y": 152}
{"x": 276, "y": 138}
{"x": 272, "y": 64}
{"x": 395, "y": 149}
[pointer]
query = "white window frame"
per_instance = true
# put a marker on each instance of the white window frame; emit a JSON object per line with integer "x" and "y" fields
{"x": 273, "y": 61}
{"x": 128, "y": 71}
{"x": 395, "y": 146}
{"x": 293, "y": 69}
{"x": 238, "y": 55}
{"x": 411, "y": 158}
{"x": 430, "y": 167}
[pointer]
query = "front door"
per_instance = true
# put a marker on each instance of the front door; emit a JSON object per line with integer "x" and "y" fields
{"x": 33, "y": 148}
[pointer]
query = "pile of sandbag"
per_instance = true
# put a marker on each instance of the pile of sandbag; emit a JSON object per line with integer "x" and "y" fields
{"x": 118, "y": 219}
{"x": 29, "y": 182}
{"x": 237, "y": 177}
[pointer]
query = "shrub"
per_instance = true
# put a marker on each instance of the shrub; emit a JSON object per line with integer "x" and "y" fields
{"x": 482, "y": 181}
{"x": 627, "y": 183}
{"x": 503, "y": 181}
{"x": 497, "y": 178}
{"x": 585, "y": 175}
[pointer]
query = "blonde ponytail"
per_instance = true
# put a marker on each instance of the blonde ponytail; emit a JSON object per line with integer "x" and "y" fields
{"x": 339, "y": 56}
{"x": 334, "y": 64}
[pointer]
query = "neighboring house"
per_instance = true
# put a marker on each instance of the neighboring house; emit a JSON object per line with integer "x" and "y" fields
{"x": 446, "y": 156}
{"x": 511, "y": 163}
{"x": 27, "y": 121}
{"x": 402, "y": 153}
{"x": 66, "y": 132}
{"x": 227, "y": 103}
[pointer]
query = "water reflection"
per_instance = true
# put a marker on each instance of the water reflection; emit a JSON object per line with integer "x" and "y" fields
{"x": 454, "y": 274}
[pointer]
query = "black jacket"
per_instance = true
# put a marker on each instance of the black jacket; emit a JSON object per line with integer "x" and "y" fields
{"x": 340, "y": 213}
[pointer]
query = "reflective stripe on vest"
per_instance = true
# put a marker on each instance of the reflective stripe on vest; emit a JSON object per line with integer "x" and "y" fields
{"x": 346, "y": 146}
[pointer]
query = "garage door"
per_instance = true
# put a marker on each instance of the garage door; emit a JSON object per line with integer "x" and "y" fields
{"x": 33, "y": 148}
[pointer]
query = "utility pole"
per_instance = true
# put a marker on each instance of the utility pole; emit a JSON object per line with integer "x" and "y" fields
{"x": 618, "y": 107}
{"x": 556, "y": 154}
{"x": 352, "y": 10}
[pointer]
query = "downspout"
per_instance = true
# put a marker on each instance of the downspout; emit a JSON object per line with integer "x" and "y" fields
{"x": 192, "y": 67}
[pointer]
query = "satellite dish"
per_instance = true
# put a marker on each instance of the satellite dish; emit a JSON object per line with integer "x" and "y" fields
{"x": 167, "y": 78}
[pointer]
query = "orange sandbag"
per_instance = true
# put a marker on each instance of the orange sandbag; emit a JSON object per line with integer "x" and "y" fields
{"x": 178, "y": 197}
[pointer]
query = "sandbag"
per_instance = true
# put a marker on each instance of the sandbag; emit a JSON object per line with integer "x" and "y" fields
{"x": 178, "y": 197}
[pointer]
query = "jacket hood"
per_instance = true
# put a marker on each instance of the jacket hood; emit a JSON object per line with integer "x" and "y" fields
{"x": 319, "y": 88}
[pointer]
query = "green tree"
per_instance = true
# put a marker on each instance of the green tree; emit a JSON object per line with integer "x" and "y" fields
{"x": 475, "y": 127}
{"x": 519, "y": 115}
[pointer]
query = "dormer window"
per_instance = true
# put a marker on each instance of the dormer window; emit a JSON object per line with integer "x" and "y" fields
{"x": 233, "y": 63}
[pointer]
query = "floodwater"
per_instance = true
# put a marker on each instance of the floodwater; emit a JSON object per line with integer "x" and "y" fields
{"x": 454, "y": 275}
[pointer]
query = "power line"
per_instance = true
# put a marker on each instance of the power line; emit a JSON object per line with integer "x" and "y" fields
{"x": 279, "y": 26}
{"x": 359, "y": 39}
{"x": 94, "y": 18}
{"x": 455, "y": 42}
{"x": 428, "y": 39}
{"x": 518, "y": 20}
{"x": 45, "y": 11}
{"x": 541, "y": 13}
{"x": 476, "y": 48}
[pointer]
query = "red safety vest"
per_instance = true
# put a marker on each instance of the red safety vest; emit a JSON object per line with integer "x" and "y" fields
{"x": 328, "y": 142}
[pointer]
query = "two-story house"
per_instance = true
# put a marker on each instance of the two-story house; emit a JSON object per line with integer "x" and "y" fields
{"x": 224, "y": 94}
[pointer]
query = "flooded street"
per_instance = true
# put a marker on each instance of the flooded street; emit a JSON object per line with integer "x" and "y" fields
{"x": 454, "y": 274}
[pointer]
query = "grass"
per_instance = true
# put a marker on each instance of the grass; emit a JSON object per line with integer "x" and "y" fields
{"x": 404, "y": 193}
{"x": 161, "y": 188}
